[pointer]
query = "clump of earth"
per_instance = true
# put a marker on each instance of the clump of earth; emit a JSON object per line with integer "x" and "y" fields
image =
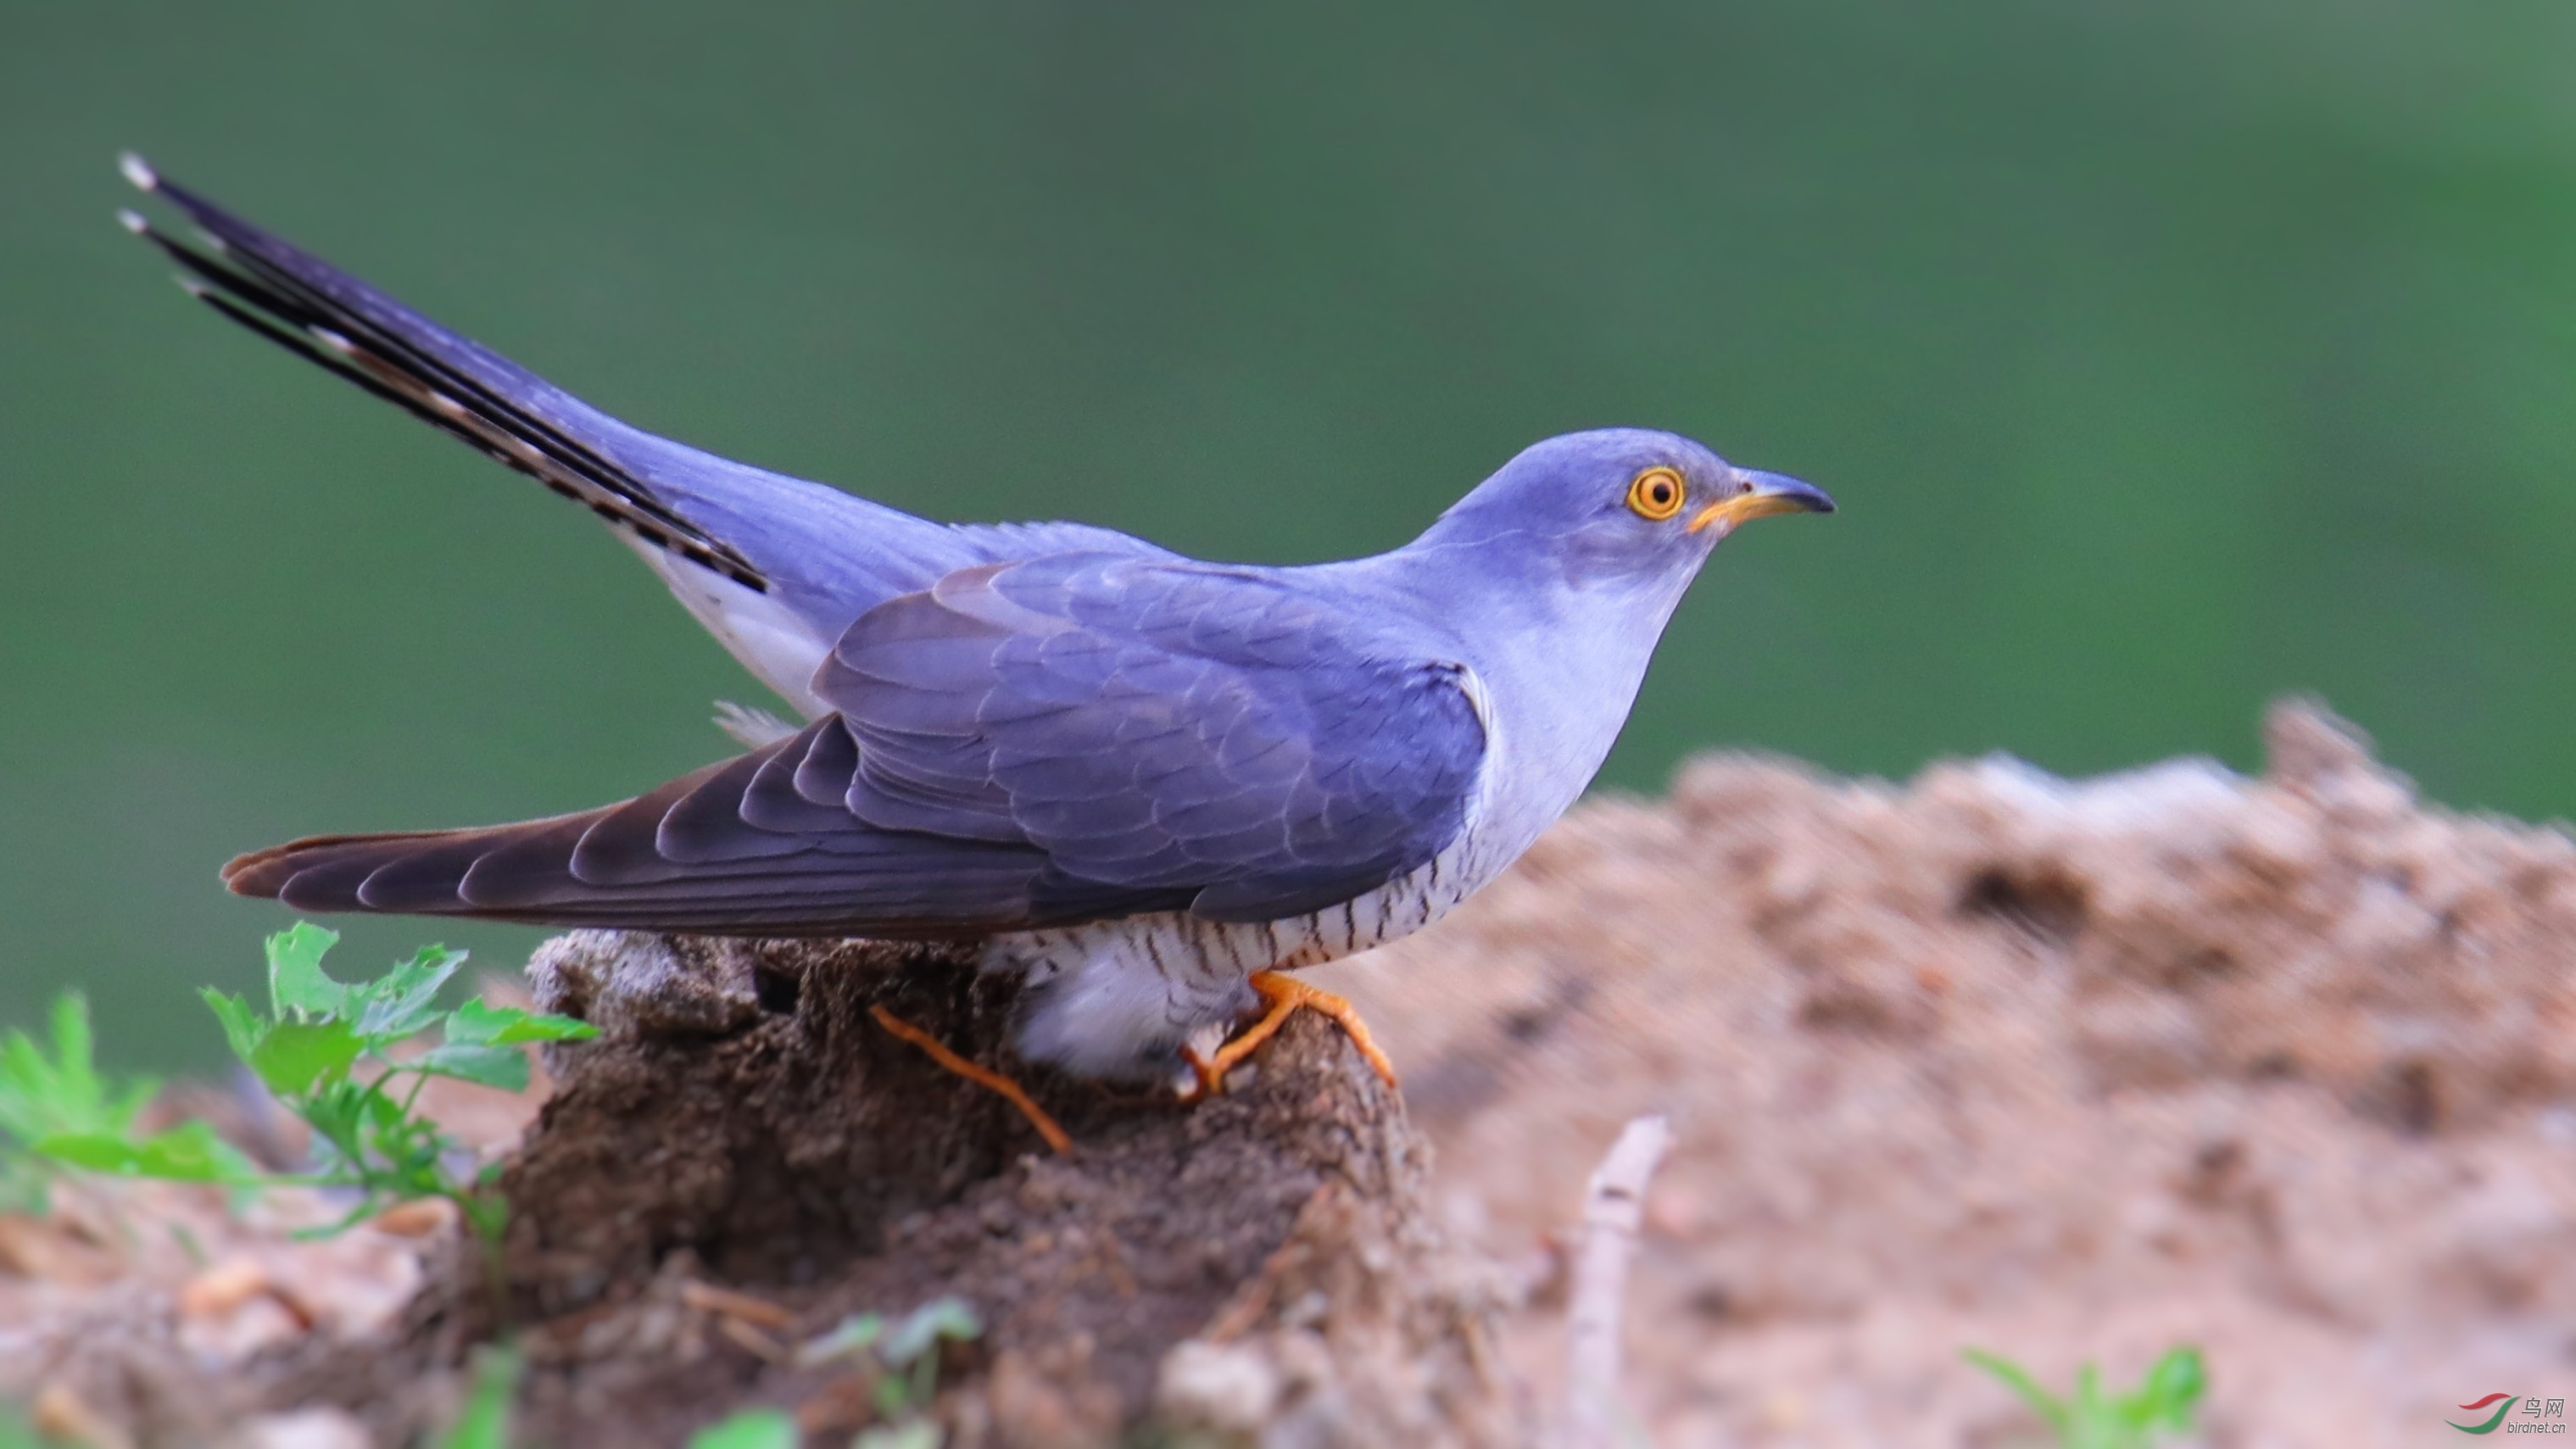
{"x": 2073, "y": 1071}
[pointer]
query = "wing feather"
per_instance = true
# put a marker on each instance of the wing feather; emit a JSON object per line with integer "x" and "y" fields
{"x": 1064, "y": 739}
{"x": 1158, "y": 726}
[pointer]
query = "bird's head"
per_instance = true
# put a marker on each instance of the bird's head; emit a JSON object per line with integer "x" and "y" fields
{"x": 1626, "y": 509}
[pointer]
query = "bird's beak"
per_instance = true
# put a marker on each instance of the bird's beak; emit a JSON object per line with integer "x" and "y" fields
{"x": 1772, "y": 493}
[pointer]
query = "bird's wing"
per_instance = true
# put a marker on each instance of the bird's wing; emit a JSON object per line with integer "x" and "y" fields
{"x": 1038, "y": 743}
{"x": 1222, "y": 735}
{"x": 775, "y": 566}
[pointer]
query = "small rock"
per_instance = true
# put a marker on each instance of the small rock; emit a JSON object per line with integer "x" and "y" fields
{"x": 59, "y": 1413}
{"x": 304, "y": 1429}
{"x": 1219, "y": 1388}
{"x": 220, "y": 1290}
{"x": 425, "y": 1217}
{"x": 646, "y": 987}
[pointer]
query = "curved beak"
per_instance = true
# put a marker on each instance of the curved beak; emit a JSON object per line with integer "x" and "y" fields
{"x": 1772, "y": 493}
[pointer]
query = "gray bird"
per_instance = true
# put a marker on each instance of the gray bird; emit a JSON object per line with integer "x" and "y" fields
{"x": 1150, "y": 783}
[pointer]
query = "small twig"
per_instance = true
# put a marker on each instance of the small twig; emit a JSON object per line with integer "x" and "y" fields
{"x": 726, "y": 1303}
{"x": 754, "y": 1342}
{"x": 1613, "y": 1205}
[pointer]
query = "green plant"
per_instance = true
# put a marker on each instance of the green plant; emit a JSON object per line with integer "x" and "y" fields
{"x": 905, "y": 1354}
{"x": 333, "y": 1054}
{"x": 750, "y": 1429}
{"x": 16, "y": 1433}
{"x": 2161, "y": 1405}
{"x": 484, "y": 1422}
{"x": 54, "y": 1095}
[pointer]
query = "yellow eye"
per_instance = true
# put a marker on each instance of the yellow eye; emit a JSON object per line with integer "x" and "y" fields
{"x": 1655, "y": 494}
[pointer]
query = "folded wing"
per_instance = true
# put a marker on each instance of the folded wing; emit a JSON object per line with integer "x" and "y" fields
{"x": 1038, "y": 743}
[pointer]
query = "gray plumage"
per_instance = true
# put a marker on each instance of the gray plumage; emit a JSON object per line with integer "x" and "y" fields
{"x": 1139, "y": 777}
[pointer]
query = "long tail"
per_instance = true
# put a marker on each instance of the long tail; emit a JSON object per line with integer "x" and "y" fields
{"x": 350, "y": 329}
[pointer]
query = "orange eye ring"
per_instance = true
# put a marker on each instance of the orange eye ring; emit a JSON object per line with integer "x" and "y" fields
{"x": 1656, "y": 494}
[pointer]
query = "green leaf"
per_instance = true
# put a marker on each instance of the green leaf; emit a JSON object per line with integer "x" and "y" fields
{"x": 489, "y": 1066}
{"x": 750, "y": 1429}
{"x": 852, "y": 1336}
{"x": 189, "y": 1152}
{"x": 74, "y": 1081}
{"x": 243, "y": 1027}
{"x": 475, "y": 1024}
{"x": 2087, "y": 1415}
{"x": 41, "y": 1095}
{"x": 295, "y": 1057}
{"x": 923, "y": 1327}
{"x": 295, "y": 980}
{"x": 400, "y": 1003}
{"x": 121, "y": 1112}
{"x": 2172, "y": 1390}
{"x": 485, "y": 1422}
{"x": 2046, "y": 1405}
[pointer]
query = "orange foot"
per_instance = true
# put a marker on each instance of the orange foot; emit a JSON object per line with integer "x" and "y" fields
{"x": 1056, "y": 1137}
{"x": 1283, "y": 995}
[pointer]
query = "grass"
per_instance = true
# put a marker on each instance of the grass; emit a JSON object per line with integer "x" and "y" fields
{"x": 57, "y": 1091}
{"x": 2162, "y": 1405}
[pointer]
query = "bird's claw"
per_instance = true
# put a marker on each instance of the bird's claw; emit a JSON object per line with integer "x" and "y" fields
{"x": 1282, "y": 995}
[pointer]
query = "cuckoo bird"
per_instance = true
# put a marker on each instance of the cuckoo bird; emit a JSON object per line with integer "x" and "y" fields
{"x": 1152, "y": 785}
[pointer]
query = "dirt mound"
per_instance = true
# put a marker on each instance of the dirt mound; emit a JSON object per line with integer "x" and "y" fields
{"x": 2281, "y": 1066}
{"x": 2068, "y": 1070}
{"x": 747, "y": 1159}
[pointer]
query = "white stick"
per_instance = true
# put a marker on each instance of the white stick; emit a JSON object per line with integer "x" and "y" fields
{"x": 1612, "y": 1207}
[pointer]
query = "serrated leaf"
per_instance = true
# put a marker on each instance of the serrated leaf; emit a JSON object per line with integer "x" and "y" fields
{"x": 750, "y": 1429}
{"x": 243, "y": 1027}
{"x": 336, "y": 1112}
{"x": 294, "y": 1057}
{"x": 489, "y": 1066}
{"x": 295, "y": 979}
{"x": 475, "y": 1024}
{"x": 400, "y": 1003}
{"x": 189, "y": 1152}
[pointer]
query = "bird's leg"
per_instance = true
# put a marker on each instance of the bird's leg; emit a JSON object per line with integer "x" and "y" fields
{"x": 1012, "y": 1092}
{"x": 1282, "y": 994}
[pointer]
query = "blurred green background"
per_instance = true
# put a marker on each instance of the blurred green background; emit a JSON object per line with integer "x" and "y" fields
{"x": 2164, "y": 357}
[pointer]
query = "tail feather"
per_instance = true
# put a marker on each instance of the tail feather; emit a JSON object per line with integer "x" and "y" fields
{"x": 690, "y": 857}
{"x": 775, "y": 567}
{"x": 354, "y": 331}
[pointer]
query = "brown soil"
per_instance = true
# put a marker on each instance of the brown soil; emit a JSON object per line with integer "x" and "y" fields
{"x": 747, "y": 1159}
{"x": 2284, "y": 1067}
